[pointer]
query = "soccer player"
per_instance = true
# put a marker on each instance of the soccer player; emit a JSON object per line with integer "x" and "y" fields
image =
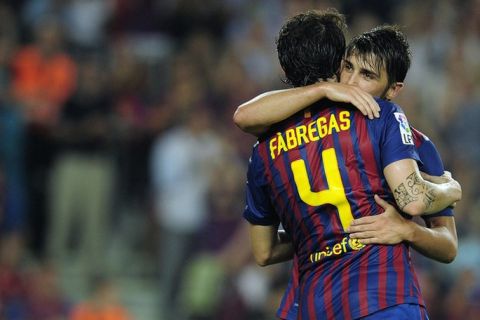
{"x": 439, "y": 240}
{"x": 328, "y": 161}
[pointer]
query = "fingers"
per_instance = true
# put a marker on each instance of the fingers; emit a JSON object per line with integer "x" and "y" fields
{"x": 362, "y": 235}
{"x": 435, "y": 179}
{"x": 363, "y": 221}
{"x": 362, "y": 225}
{"x": 454, "y": 186}
{"x": 371, "y": 106}
{"x": 365, "y": 103}
{"x": 357, "y": 101}
{"x": 370, "y": 241}
{"x": 372, "y": 238}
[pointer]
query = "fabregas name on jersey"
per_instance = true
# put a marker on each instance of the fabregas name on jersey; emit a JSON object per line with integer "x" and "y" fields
{"x": 306, "y": 133}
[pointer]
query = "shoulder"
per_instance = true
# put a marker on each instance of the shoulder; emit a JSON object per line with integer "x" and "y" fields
{"x": 392, "y": 113}
{"x": 420, "y": 138}
{"x": 431, "y": 160}
{"x": 385, "y": 104}
{"x": 389, "y": 107}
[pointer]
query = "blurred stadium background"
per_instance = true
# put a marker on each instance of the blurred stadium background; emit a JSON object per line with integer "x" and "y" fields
{"x": 122, "y": 174}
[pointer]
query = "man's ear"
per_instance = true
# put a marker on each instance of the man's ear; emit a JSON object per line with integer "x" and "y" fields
{"x": 394, "y": 90}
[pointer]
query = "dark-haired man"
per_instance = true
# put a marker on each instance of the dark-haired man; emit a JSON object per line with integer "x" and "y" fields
{"x": 317, "y": 171}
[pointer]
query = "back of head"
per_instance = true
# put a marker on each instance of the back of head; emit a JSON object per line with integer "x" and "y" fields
{"x": 311, "y": 45}
{"x": 383, "y": 46}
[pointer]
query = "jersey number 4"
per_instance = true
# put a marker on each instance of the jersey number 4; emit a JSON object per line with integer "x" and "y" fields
{"x": 334, "y": 195}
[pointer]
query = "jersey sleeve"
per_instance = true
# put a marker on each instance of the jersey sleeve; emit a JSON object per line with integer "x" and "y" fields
{"x": 396, "y": 140}
{"x": 258, "y": 209}
{"x": 432, "y": 164}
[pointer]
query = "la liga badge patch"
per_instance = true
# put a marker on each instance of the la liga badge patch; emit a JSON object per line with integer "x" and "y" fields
{"x": 405, "y": 131}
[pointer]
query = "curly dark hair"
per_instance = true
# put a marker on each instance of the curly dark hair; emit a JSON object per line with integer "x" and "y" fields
{"x": 311, "y": 45}
{"x": 383, "y": 46}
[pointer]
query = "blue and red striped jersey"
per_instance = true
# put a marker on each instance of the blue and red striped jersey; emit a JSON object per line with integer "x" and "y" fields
{"x": 317, "y": 172}
{"x": 431, "y": 164}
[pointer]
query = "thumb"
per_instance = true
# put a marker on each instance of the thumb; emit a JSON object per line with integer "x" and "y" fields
{"x": 382, "y": 203}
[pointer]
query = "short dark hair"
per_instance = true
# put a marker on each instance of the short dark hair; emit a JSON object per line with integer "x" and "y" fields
{"x": 311, "y": 45}
{"x": 383, "y": 46}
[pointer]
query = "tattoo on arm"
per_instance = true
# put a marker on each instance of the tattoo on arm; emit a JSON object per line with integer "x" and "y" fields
{"x": 414, "y": 185}
{"x": 402, "y": 196}
{"x": 430, "y": 196}
{"x": 413, "y": 189}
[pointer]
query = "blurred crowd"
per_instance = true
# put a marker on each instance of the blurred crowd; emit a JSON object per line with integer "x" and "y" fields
{"x": 115, "y": 119}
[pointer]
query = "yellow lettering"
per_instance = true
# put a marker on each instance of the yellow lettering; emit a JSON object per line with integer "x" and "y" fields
{"x": 311, "y": 130}
{"x": 322, "y": 128}
{"x": 344, "y": 243}
{"x": 345, "y": 120}
{"x": 334, "y": 195}
{"x": 273, "y": 147}
{"x": 291, "y": 139}
{"x": 304, "y": 134}
{"x": 333, "y": 124}
{"x": 301, "y": 134}
{"x": 337, "y": 249}
{"x": 321, "y": 255}
{"x": 328, "y": 253}
{"x": 281, "y": 144}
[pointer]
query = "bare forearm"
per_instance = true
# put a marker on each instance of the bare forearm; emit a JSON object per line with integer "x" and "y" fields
{"x": 256, "y": 115}
{"x": 438, "y": 240}
{"x": 441, "y": 196}
{"x": 435, "y": 243}
{"x": 268, "y": 247}
{"x": 422, "y": 197}
{"x": 417, "y": 196}
{"x": 280, "y": 253}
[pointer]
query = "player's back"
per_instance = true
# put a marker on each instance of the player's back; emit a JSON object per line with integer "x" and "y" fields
{"x": 431, "y": 163}
{"x": 322, "y": 170}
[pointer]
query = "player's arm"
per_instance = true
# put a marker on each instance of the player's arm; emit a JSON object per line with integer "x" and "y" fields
{"x": 267, "y": 246}
{"x": 415, "y": 195}
{"x": 257, "y": 115}
{"x": 438, "y": 240}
